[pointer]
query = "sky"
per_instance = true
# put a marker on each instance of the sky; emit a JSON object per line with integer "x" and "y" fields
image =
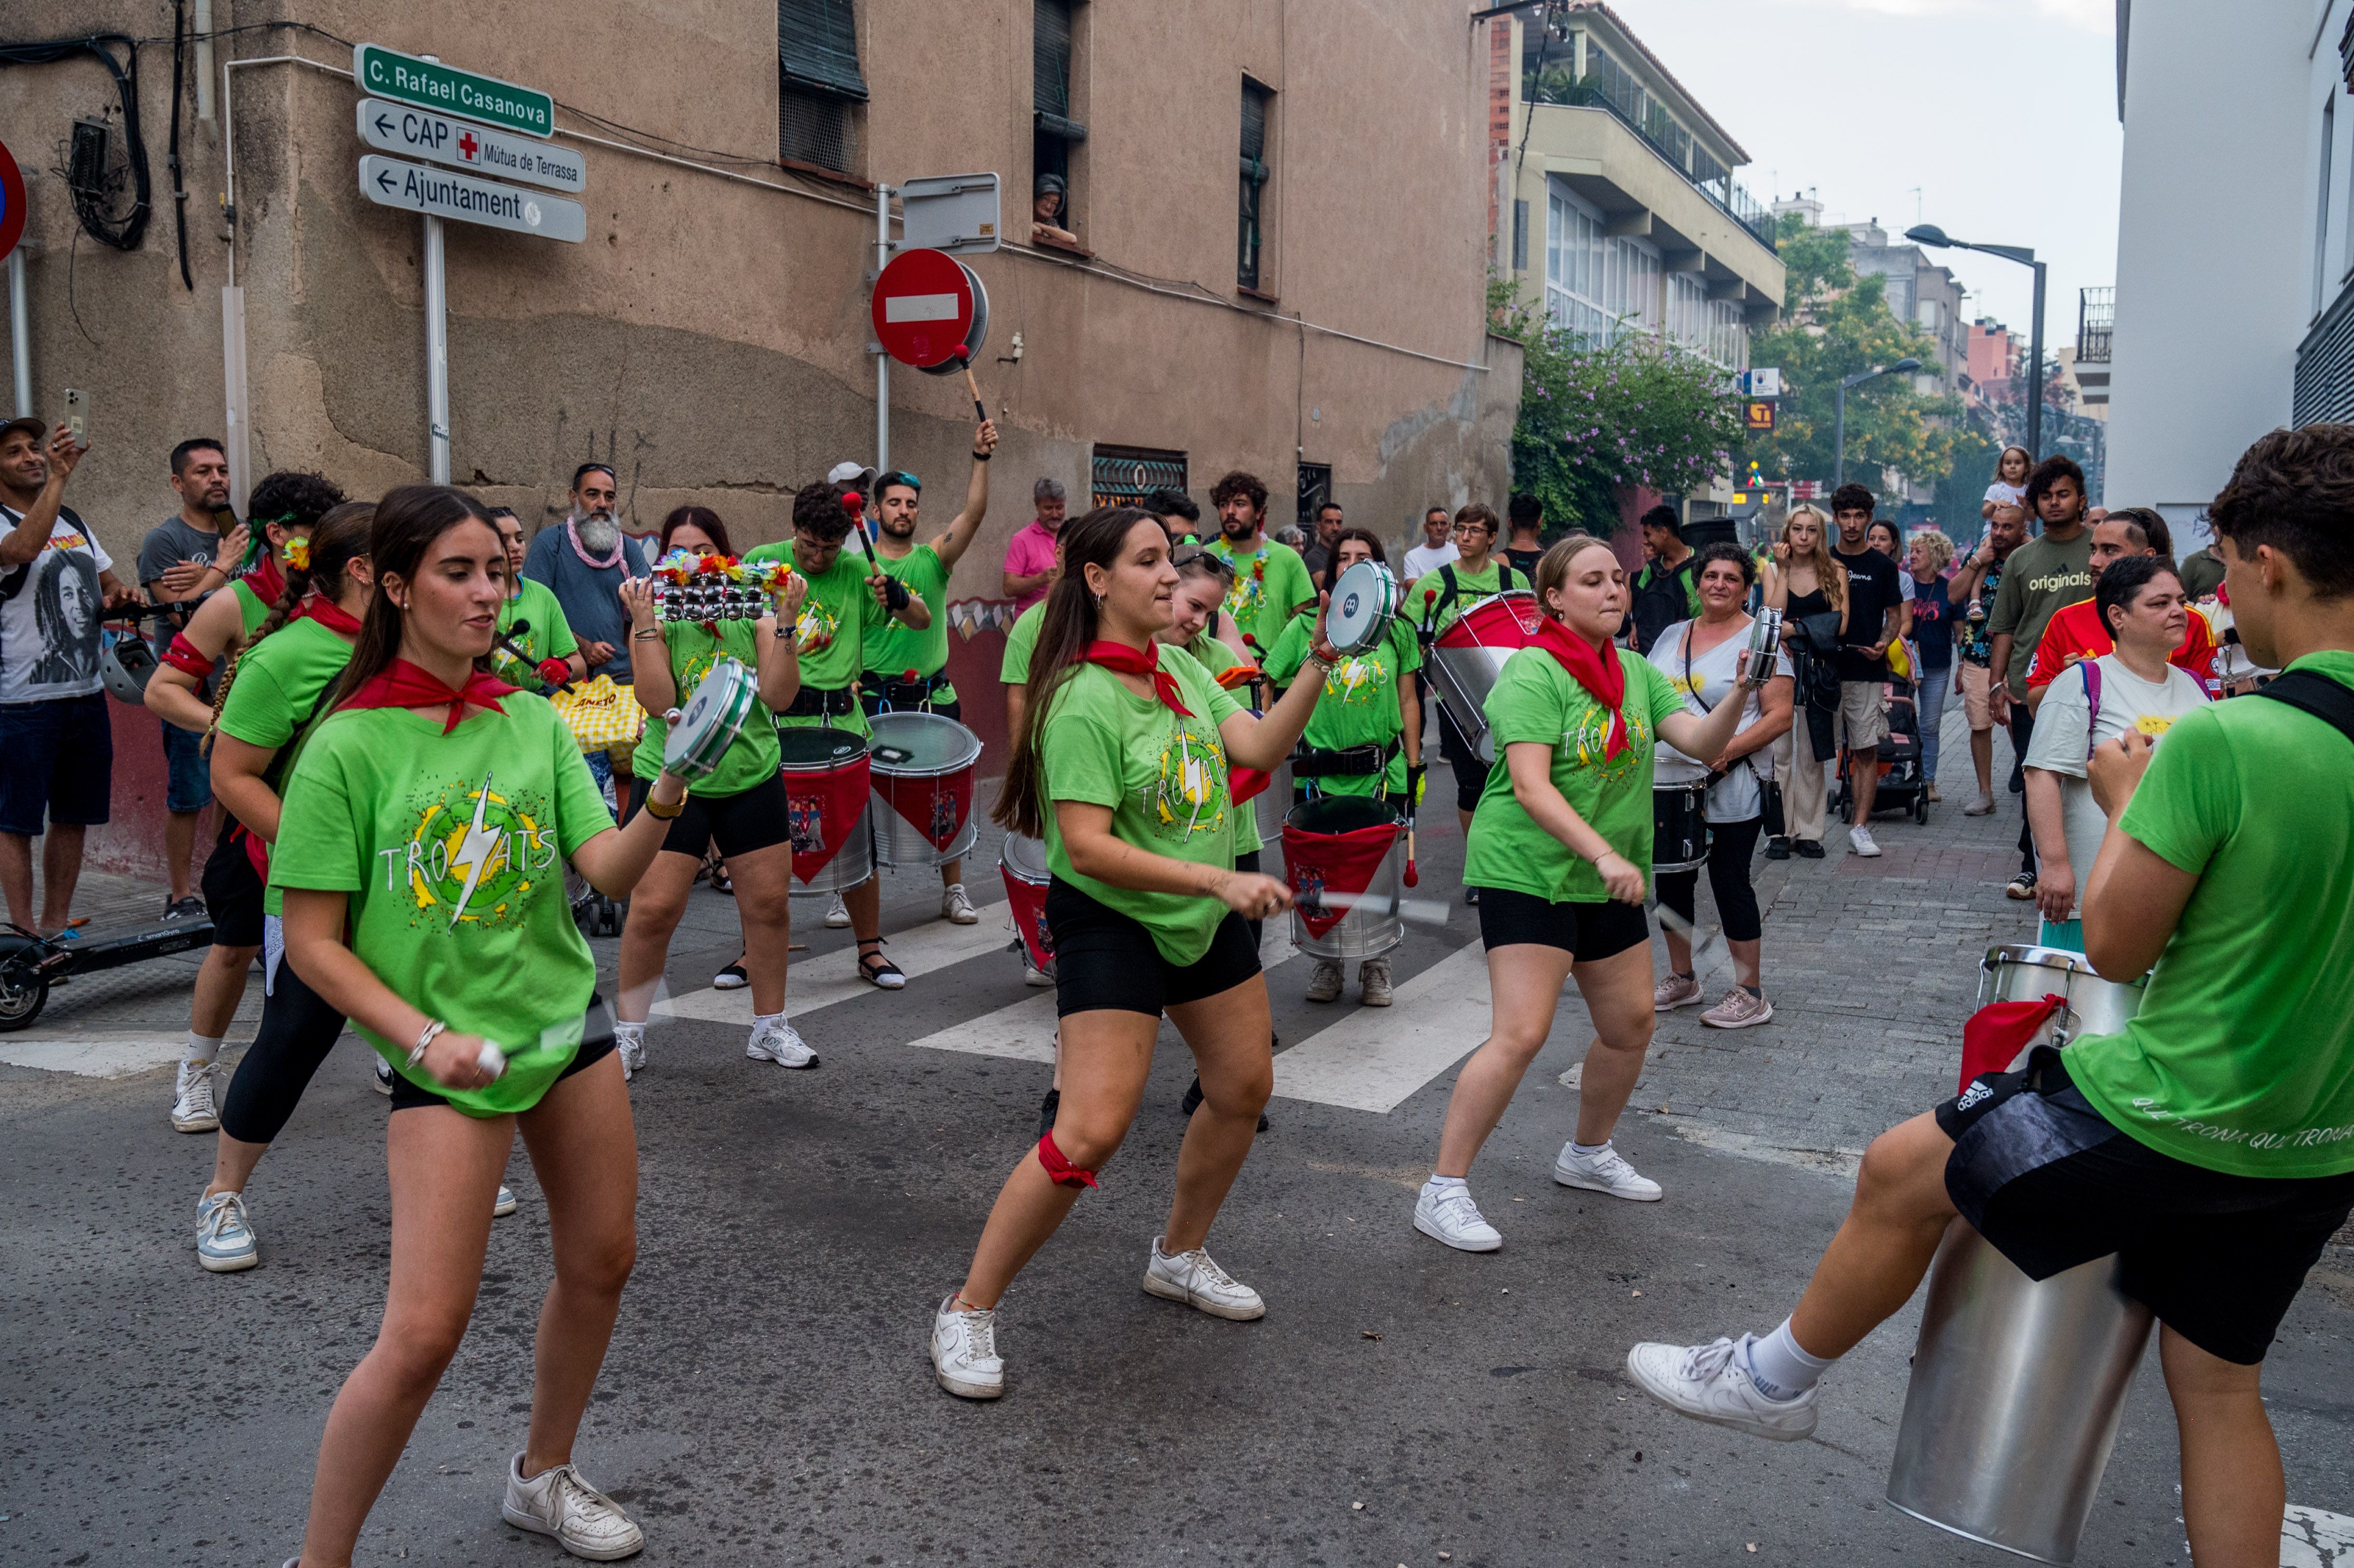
{"x": 2003, "y": 113}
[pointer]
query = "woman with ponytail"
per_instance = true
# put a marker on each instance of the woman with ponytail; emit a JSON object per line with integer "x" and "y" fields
{"x": 428, "y": 816}
{"x": 1560, "y": 848}
{"x": 296, "y": 655}
{"x": 1120, "y": 764}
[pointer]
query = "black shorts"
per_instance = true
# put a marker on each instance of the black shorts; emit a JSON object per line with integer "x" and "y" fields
{"x": 57, "y": 757}
{"x": 749, "y": 820}
{"x": 232, "y": 891}
{"x": 1471, "y": 773}
{"x": 1590, "y": 931}
{"x": 596, "y": 1045}
{"x": 2052, "y": 1183}
{"x": 1104, "y": 959}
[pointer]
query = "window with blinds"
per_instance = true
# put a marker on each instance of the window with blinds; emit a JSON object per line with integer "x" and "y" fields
{"x": 1055, "y": 131}
{"x": 1256, "y": 101}
{"x": 819, "y": 86}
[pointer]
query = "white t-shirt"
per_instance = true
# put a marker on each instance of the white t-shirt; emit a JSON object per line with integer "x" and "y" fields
{"x": 2062, "y": 742}
{"x": 1423, "y": 558}
{"x": 1733, "y": 798}
{"x": 2003, "y": 494}
{"x": 49, "y": 632}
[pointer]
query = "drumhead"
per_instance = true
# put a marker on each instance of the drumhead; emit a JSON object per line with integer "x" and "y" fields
{"x": 815, "y": 749}
{"x": 914, "y": 745}
{"x": 712, "y": 719}
{"x": 1339, "y": 814}
{"x": 1365, "y": 598}
{"x": 1507, "y": 619}
{"x": 1025, "y": 858}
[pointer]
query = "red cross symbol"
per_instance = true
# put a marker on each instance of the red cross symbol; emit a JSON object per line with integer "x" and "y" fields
{"x": 468, "y": 146}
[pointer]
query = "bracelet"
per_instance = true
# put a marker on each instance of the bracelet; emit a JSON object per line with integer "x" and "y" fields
{"x": 982, "y": 456}
{"x": 655, "y": 810}
{"x": 424, "y": 1038}
{"x": 647, "y": 634}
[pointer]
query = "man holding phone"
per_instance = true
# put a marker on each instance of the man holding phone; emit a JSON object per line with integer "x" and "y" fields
{"x": 56, "y": 740}
{"x": 183, "y": 560}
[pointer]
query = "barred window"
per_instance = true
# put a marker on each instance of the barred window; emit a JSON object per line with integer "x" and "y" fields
{"x": 819, "y": 86}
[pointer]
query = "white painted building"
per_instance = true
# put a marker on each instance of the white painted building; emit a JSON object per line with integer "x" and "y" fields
{"x": 2235, "y": 239}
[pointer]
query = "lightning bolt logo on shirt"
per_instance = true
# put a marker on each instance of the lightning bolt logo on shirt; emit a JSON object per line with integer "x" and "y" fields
{"x": 473, "y": 857}
{"x": 474, "y": 851}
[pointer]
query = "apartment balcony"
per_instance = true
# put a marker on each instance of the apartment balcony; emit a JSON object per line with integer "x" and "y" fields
{"x": 1673, "y": 145}
{"x": 2096, "y": 316}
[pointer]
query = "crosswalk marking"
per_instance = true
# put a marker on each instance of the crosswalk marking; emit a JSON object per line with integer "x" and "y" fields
{"x": 1375, "y": 1058}
{"x": 833, "y": 977}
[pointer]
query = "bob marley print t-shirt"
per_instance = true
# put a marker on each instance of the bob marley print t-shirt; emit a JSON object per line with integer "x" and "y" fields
{"x": 1164, "y": 776}
{"x": 49, "y": 629}
{"x": 453, "y": 849}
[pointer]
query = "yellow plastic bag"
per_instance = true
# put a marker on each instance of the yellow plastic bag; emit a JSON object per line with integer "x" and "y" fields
{"x": 601, "y": 713}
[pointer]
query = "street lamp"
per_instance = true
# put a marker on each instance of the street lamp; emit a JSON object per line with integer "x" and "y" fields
{"x": 1930, "y": 233}
{"x": 1839, "y": 418}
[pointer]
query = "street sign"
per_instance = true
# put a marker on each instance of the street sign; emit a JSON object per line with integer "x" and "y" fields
{"x": 463, "y": 198}
{"x": 1767, "y": 382}
{"x": 1758, "y": 413}
{"x": 949, "y": 212}
{"x": 432, "y": 85}
{"x": 925, "y": 308}
{"x": 12, "y": 202}
{"x": 1806, "y": 489}
{"x": 437, "y": 138}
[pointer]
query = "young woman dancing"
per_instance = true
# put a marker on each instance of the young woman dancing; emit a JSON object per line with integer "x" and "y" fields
{"x": 427, "y": 815}
{"x": 1561, "y": 845}
{"x": 1120, "y": 766}
{"x": 740, "y": 808}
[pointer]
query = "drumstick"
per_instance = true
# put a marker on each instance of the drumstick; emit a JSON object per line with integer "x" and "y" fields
{"x": 1413, "y": 877}
{"x": 1422, "y": 911}
{"x": 964, "y": 363}
{"x": 1683, "y": 927}
{"x": 508, "y": 643}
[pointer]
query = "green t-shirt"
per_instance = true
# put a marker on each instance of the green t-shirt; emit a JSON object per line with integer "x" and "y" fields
{"x": 2241, "y": 1058}
{"x": 249, "y": 604}
{"x": 1268, "y": 587}
{"x": 837, "y": 621}
{"x": 453, "y": 849}
{"x": 280, "y": 682}
{"x": 1360, "y": 705}
{"x": 1165, "y": 777}
{"x": 693, "y": 650}
{"x": 550, "y": 636}
{"x": 1217, "y": 659}
{"x": 1536, "y": 700}
{"x": 2038, "y": 578}
{"x": 896, "y": 649}
{"x": 1429, "y": 607}
{"x": 1019, "y": 638}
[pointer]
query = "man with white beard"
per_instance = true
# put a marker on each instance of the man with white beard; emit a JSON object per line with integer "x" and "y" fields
{"x": 582, "y": 561}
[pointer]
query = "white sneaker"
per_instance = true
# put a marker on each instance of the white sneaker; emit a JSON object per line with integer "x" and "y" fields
{"x": 1324, "y": 982}
{"x": 225, "y": 1241}
{"x": 837, "y": 915}
{"x": 1674, "y": 991}
{"x": 630, "y": 1045}
{"x": 780, "y": 1043}
{"x": 1980, "y": 807}
{"x": 1858, "y": 841}
{"x": 1605, "y": 1172}
{"x": 1032, "y": 974}
{"x": 1195, "y": 1278}
{"x": 1711, "y": 1382}
{"x": 383, "y": 1077}
{"x": 1373, "y": 983}
{"x": 560, "y": 1502}
{"x": 192, "y": 1100}
{"x": 504, "y": 1203}
{"x": 956, "y": 908}
{"x": 964, "y": 1351}
{"x": 1447, "y": 1214}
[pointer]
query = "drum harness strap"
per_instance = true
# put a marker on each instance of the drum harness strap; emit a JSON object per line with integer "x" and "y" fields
{"x": 899, "y": 692}
{"x": 821, "y": 701}
{"x": 1693, "y": 687}
{"x": 1350, "y": 761}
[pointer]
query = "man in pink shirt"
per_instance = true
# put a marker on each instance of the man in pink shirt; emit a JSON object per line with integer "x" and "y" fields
{"x": 1030, "y": 553}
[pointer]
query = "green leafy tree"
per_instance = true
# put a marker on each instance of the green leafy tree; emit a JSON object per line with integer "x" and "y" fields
{"x": 1835, "y": 323}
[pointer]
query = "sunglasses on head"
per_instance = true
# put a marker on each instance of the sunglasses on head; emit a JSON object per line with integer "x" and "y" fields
{"x": 1184, "y": 556}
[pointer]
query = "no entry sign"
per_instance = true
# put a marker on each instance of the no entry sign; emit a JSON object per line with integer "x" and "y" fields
{"x": 12, "y": 202}
{"x": 926, "y": 306}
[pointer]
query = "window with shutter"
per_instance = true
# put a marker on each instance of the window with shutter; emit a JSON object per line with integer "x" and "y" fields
{"x": 1053, "y": 130}
{"x": 1254, "y": 176}
{"x": 818, "y": 82}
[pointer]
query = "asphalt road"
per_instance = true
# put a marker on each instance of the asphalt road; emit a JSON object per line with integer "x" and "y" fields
{"x": 768, "y": 1398}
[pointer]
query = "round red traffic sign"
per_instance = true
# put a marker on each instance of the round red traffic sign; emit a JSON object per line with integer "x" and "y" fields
{"x": 923, "y": 308}
{"x": 12, "y": 202}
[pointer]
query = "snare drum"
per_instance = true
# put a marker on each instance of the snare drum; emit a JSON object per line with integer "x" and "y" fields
{"x": 827, "y": 810}
{"x": 701, "y": 733}
{"x": 1348, "y": 846}
{"x": 1467, "y": 657}
{"x": 923, "y": 766}
{"x": 1023, "y": 862}
{"x": 2023, "y": 973}
{"x": 1679, "y": 826}
{"x": 1364, "y": 602}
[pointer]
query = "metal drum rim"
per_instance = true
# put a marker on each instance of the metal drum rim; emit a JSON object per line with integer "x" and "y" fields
{"x": 832, "y": 764}
{"x": 894, "y": 770}
{"x": 1386, "y": 592}
{"x": 1046, "y": 869}
{"x": 2030, "y": 955}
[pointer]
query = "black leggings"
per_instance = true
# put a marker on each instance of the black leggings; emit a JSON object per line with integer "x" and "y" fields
{"x": 1730, "y": 845}
{"x": 298, "y": 1030}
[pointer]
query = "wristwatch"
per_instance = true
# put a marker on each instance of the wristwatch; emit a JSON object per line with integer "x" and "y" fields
{"x": 659, "y": 812}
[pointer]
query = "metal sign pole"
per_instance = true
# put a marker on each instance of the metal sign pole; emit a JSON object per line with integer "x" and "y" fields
{"x": 437, "y": 354}
{"x": 881, "y": 359}
{"x": 20, "y": 331}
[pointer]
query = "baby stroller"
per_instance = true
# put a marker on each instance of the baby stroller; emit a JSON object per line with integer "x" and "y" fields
{"x": 1903, "y": 784}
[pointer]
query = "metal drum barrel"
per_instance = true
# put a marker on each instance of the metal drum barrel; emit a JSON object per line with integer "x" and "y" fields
{"x": 1372, "y": 926}
{"x": 923, "y": 766}
{"x": 2024, "y": 972}
{"x": 1466, "y": 658}
{"x": 1679, "y": 826}
{"x": 828, "y": 812}
{"x": 1270, "y": 805}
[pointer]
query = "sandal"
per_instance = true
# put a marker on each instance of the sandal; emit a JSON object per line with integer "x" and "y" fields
{"x": 716, "y": 869}
{"x": 884, "y": 974}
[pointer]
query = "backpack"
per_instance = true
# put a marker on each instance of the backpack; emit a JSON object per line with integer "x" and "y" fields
{"x": 1661, "y": 599}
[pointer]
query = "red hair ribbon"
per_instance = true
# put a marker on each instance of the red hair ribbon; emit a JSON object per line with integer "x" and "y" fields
{"x": 402, "y": 685}
{"x": 1595, "y": 669}
{"x": 1059, "y": 1170}
{"x": 1119, "y": 658}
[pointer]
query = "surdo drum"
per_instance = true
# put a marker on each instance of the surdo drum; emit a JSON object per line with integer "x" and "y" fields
{"x": 923, "y": 766}
{"x": 1023, "y": 862}
{"x": 701, "y": 733}
{"x": 827, "y": 786}
{"x": 1679, "y": 826}
{"x": 1466, "y": 658}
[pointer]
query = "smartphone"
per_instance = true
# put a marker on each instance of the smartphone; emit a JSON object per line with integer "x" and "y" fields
{"x": 76, "y": 417}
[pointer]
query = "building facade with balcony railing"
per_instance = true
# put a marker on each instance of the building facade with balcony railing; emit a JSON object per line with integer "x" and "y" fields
{"x": 2097, "y": 320}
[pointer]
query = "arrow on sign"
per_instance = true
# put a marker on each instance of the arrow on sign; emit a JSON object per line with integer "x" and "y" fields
{"x": 384, "y": 181}
{"x": 384, "y": 124}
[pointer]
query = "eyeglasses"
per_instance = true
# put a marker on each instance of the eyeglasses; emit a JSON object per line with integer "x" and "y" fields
{"x": 1184, "y": 556}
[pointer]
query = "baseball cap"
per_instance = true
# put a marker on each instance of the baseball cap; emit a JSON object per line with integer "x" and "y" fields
{"x": 34, "y": 423}
{"x": 843, "y": 472}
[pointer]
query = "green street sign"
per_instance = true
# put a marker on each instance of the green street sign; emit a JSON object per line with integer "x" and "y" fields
{"x": 408, "y": 80}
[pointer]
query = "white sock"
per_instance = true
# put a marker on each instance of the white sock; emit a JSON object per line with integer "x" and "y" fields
{"x": 204, "y": 1048}
{"x": 1440, "y": 1183}
{"x": 1588, "y": 1150}
{"x": 762, "y": 1019}
{"x": 1780, "y": 1369}
{"x": 623, "y": 1027}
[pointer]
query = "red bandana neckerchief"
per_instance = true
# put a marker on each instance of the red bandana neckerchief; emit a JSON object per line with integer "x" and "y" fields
{"x": 1597, "y": 670}
{"x": 405, "y": 686}
{"x": 621, "y": 542}
{"x": 267, "y": 579}
{"x": 327, "y": 613}
{"x": 1119, "y": 658}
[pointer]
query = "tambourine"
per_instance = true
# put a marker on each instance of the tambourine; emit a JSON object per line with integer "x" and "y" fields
{"x": 1364, "y": 601}
{"x": 701, "y": 733}
{"x": 691, "y": 588}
